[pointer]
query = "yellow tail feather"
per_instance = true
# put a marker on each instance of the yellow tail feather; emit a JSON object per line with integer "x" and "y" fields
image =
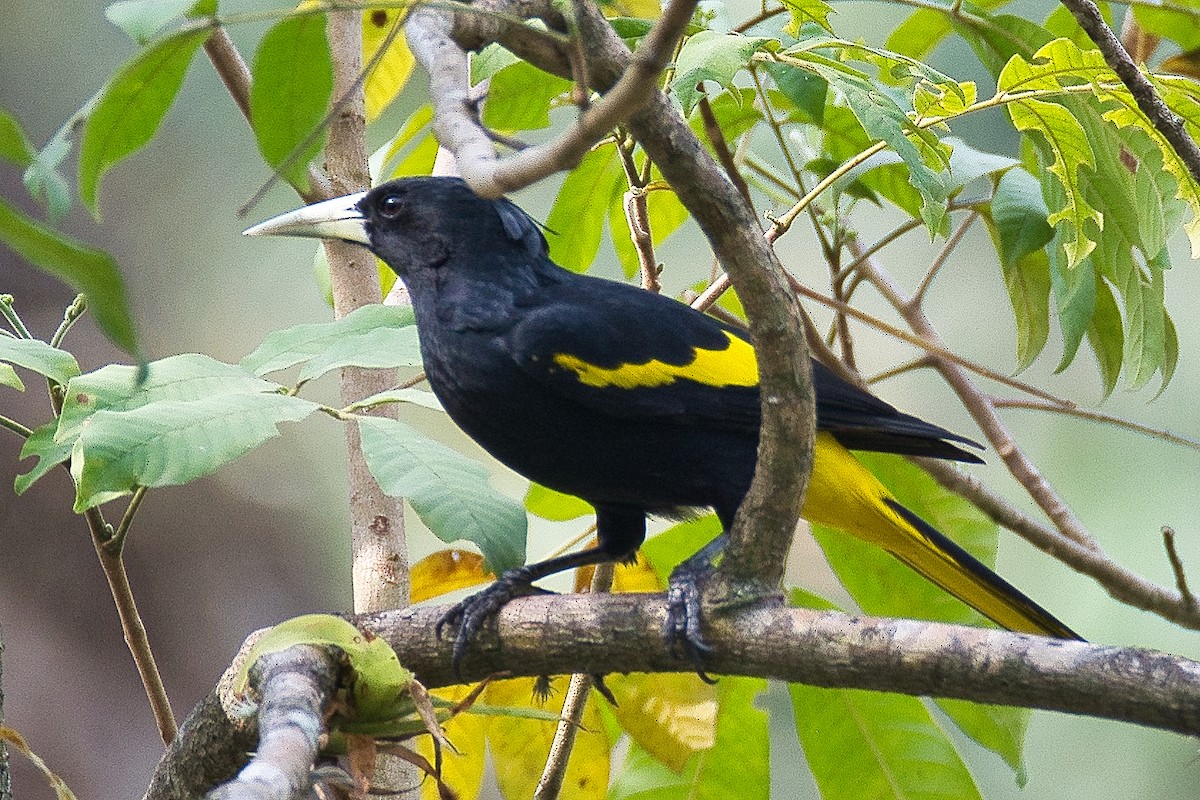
{"x": 843, "y": 494}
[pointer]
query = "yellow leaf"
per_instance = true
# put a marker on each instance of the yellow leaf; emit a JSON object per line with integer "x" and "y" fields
{"x": 642, "y": 9}
{"x": 447, "y": 571}
{"x": 671, "y": 716}
{"x": 461, "y": 770}
{"x": 520, "y": 746}
{"x": 392, "y": 71}
{"x": 17, "y": 742}
{"x": 636, "y": 577}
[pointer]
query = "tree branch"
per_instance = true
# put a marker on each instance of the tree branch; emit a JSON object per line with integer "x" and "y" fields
{"x": 430, "y": 37}
{"x": 295, "y": 686}
{"x": 1167, "y": 123}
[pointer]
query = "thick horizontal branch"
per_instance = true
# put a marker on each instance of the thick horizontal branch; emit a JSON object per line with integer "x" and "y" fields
{"x": 598, "y": 634}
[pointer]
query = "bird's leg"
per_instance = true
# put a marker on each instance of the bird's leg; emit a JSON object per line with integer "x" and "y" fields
{"x": 684, "y": 593}
{"x": 472, "y": 612}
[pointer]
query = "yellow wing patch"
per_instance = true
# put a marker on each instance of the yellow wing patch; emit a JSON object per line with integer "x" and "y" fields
{"x": 733, "y": 365}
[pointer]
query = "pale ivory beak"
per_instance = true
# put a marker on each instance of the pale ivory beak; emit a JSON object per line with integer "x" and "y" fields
{"x": 338, "y": 218}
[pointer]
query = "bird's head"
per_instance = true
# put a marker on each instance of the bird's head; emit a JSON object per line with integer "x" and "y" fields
{"x": 417, "y": 225}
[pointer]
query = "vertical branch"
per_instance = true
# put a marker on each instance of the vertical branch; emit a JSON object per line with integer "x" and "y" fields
{"x": 5, "y": 777}
{"x": 378, "y": 549}
{"x": 380, "y": 557}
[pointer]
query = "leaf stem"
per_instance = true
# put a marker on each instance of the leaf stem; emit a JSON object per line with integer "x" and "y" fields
{"x": 10, "y": 313}
{"x": 70, "y": 317}
{"x": 15, "y": 427}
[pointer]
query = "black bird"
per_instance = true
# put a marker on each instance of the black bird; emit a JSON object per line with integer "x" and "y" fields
{"x": 630, "y": 400}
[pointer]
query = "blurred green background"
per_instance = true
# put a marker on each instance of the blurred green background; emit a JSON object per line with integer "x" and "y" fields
{"x": 264, "y": 539}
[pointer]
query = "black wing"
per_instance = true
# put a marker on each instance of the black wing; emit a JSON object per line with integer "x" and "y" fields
{"x": 629, "y": 353}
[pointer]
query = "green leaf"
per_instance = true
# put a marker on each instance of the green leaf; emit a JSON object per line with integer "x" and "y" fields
{"x": 42, "y": 178}
{"x": 520, "y": 97}
{"x": 882, "y": 585}
{"x": 805, "y": 12}
{"x": 289, "y": 94}
{"x": 132, "y": 107}
{"x": 712, "y": 56}
{"x": 1075, "y": 299}
{"x": 925, "y": 28}
{"x": 449, "y": 491}
{"x": 48, "y": 452}
{"x": 665, "y": 550}
{"x": 576, "y": 222}
{"x": 142, "y": 19}
{"x": 878, "y": 745}
{"x": 1000, "y": 729}
{"x": 1019, "y": 213}
{"x": 9, "y": 378}
{"x": 89, "y": 271}
{"x": 1028, "y": 285}
{"x": 14, "y": 146}
{"x": 549, "y": 504}
{"x": 190, "y": 376}
{"x": 171, "y": 442}
{"x": 806, "y": 91}
{"x": 57, "y": 365}
{"x": 1177, "y": 24}
{"x": 882, "y": 118}
{"x": 379, "y": 687}
{"x": 291, "y": 346}
{"x": 378, "y": 348}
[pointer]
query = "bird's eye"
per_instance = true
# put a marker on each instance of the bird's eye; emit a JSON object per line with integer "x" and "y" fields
{"x": 391, "y": 206}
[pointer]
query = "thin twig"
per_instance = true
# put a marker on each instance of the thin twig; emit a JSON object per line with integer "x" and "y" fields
{"x": 234, "y": 73}
{"x": 571, "y": 717}
{"x": 131, "y": 624}
{"x": 15, "y": 427}
{"x": 1123, "y": 585}
{"x": 951, "y": 245}
{"x": 1098, "y": 416}
{"x": 117, "y": 542}
{"x": 716, "y": 137}
{"x": 637, "y": 215}
{"x": 1170, "y": 125}
{"x": 9, "y": 312}
{"x": 70, "y": 316}
{"x": 719, "y": 286}
{"x": 982, "y": 411}
{"x": 1189, "y": 599}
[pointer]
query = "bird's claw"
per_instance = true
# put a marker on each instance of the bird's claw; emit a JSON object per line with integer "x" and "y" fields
{"x": 683, "y": 626}
{"x": 471, "y": 613}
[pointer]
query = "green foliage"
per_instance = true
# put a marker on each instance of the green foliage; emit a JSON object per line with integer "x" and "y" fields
{"x": 1080, "y": 226}
{"x": 91, "y": 272}
{"x": 712, "y": 56}
{"x": 324, "y": 341}
{"x": 142, "y": 19}
{"x": 14, "y": 146}
{"x": 57, "y": 365}
{"x": 448, "y": 491}
{"x": 379, "y": 683}
{"x": 289, "y": 95}
{"x": 897, "y": 749}
{"x": 169, "y": 443}
{"x": 132, "y": 107}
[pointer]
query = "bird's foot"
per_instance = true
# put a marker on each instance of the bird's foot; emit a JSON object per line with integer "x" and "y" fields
{"x": 682, "y": 629}
{"x": 471, "y": 613}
